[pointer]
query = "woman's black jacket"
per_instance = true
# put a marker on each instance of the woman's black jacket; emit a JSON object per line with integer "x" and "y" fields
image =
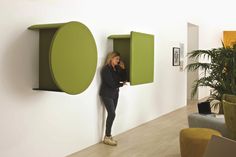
{"x": 111, "y": 81}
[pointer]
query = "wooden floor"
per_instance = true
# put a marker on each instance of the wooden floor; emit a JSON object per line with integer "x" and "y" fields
{"x": 157, "y": 138}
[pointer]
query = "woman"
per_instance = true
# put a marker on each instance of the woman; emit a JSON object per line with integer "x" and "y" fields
{"x": 113, "y": 76}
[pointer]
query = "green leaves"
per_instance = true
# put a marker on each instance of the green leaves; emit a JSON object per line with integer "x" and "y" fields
{"x": 219, "y": 71}
{"x": 198, "y": 65}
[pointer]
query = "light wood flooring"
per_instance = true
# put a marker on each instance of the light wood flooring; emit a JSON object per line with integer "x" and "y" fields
{"x": 157, "y": 138}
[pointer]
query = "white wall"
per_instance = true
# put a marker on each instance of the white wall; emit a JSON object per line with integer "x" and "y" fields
{"x": 51, "y": 124}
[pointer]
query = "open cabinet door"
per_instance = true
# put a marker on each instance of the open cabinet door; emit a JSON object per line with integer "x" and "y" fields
{"x": 141, "y": 58}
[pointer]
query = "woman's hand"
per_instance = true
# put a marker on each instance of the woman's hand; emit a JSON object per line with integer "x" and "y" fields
{"x": 122, "y": 65}
{"x": 123, "y": 82}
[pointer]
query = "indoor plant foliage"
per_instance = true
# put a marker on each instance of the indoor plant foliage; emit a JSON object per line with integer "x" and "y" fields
{"x": 219, "y": 74}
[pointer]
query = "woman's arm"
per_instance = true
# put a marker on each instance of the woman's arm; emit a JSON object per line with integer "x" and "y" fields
{"x": 122, "y": 71}
{"x": 123, "y": 75}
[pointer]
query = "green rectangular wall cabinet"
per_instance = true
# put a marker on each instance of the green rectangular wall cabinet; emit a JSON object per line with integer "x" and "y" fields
{"x": 137, "y": 51}
{"x": 67, "y": 57}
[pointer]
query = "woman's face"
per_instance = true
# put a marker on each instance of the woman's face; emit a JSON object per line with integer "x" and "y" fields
{"x": 115, "y": 60}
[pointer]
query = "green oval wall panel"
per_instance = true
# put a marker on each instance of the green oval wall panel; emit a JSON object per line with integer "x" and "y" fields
{"x": 71, "y": 57}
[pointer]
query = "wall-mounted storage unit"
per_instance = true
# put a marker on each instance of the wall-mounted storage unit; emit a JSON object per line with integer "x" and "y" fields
{"x": 229, "y": 38}
{"x": 137, "y": 52}
{"x": 67, "y": 57}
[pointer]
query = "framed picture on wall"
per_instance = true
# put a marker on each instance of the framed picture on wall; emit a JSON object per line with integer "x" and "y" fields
{"x": 176, "y": 56}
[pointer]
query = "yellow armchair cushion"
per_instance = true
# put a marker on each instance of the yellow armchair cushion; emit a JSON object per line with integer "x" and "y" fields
{"x": 193, "y": 141}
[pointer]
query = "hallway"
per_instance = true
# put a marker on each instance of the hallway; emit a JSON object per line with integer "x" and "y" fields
{"x": 157, "y": 138}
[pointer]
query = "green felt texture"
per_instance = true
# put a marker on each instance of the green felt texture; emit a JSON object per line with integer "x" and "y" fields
{"x": 123, "y": 47}
{"x": 73, "y": 58}
{"x": 124, "y": 36}
{"x": 230, "y": 117}
{"x": 46, "y": 81}
{"x": 142, "y": 58}
{"x": 229, "y": 98}
{"x": 45, "y": 26}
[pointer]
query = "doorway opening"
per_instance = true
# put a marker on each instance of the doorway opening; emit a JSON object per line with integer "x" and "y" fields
{"x": 192, "y": 44}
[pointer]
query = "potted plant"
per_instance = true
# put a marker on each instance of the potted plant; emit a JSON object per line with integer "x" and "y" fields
{"x": 219, "y": 73}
